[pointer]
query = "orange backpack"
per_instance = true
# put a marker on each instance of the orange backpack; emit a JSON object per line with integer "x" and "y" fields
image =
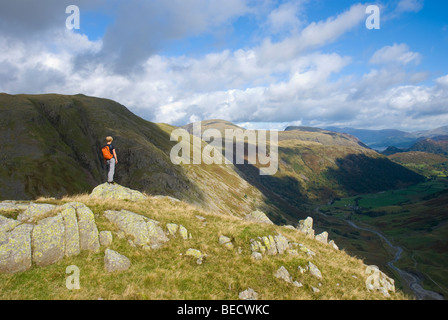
{"x": 106, "y": 153}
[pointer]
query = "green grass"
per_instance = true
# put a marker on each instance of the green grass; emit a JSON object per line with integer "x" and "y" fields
{"x": 167, "y": 274}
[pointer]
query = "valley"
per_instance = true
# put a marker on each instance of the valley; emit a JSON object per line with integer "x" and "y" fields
{"x": 50, "y": 149}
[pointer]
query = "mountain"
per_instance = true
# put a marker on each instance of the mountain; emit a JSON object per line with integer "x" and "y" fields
{"x": 435, "y": 145}
{"x": 51, "y": 147}
{"x": 442, "y": 131}
{"x": 51, "y": 143}
{"x": 382, "y": 139}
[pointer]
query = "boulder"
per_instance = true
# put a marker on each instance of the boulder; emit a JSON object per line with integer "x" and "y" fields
{"x": 379, "y": 281}
{"x": 48, "y": 241}
{"x": 283, "y": 274}
{"x": 172, "y": 229}
{"x": 113, "y": 261}
{"x": 115, "y": 191}
{"x": 226, "y": 242}
{"x": 281, "y": 243}
{"x": 184, "y": 233}
{"x": 306, "y": 226}
{"x": 15, "y": 249}
{"x": 145, "y": 233}
{"x": 314, "y": 271}
{"x": 323, "y": 237}
{"x": 333, "y": 244}
{"x": 270, "y": 245}
{"x": 248, "y": 294}
{"x": 258, "y": 216}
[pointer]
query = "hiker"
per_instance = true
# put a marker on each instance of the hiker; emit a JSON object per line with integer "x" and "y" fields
{"x": 110, "y": 158}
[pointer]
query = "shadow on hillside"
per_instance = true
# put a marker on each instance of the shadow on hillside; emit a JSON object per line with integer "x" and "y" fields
{"x": 359, "y": 174}
{"x": 284, "y": 199}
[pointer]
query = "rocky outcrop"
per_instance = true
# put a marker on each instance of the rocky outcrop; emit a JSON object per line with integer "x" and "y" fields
{"x": 379, "y": 281}
{"x": 306, "y": 226}
{"x": 36, "y": 238}
{"x": 258, "y": 216}
{"x": 270, "y": 245}
{"x": 143, "y": 232}
{"x": 117, "y": 192}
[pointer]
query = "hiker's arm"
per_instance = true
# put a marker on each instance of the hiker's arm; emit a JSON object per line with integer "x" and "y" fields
{"x": 115, "y": 156}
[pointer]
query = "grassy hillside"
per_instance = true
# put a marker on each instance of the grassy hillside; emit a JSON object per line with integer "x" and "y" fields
{"x": 424, "y": 163}
{"x": 168, "y": 274}
{"x": 51, "y": 147}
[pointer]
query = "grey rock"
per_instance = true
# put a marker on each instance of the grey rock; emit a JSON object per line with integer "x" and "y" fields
{"x": 15, "y": 249}
{"x": 117, "y": 192}
{"x": 35, "y": 212}
{"x": 257, "y": 255}
{"x": 48, "y": 241}
{"x": 248, "y": 294}
{"x": 88, "y": 231}
{"x": 379, "y": 281}
{"x": 281, "y": 243}
{"x": 323, "y": 237}
{"x": 144, "y": 232}
{"x": 333, "y": 244}
{"x": 306, "y": 226}
{"x": 7, "y": 225}
{"x": 172, "y": 229}
{"x": 258, "y": 216}
{"x": 196, "y": 254}
{"x": 226, "y": 242}
{"x": 283, "y": 274}
{"x": 113, "y": 261}
{"x": 314, "y": 271}
{"x": 71, "y": 232}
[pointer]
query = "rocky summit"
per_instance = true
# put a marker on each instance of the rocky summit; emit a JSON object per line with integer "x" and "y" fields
{"x": 166, "y": 247}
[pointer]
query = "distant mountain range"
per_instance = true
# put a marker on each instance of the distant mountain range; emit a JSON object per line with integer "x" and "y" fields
{"x": 382, "y": 139}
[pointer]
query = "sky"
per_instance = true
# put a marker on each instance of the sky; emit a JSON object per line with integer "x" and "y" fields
{"x": 263, "y": 64}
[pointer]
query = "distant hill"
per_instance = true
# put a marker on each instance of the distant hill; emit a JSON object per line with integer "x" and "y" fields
{"x": 50, "y": 147}
{"x": 382, "y": 139}
{"x": 436, "y": 145}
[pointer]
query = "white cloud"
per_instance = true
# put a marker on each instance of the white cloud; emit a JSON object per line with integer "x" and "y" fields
{"x": 409, "y": 6}
{"x": 396, "y": 54}
{"x": 275, "y": 82}
{"x": 285, "y": 18}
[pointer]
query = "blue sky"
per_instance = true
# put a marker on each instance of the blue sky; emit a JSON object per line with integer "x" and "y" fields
{"x": 261, "y": 63}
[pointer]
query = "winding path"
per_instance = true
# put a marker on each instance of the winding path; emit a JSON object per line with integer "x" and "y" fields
{"x": 412, "y": 280}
